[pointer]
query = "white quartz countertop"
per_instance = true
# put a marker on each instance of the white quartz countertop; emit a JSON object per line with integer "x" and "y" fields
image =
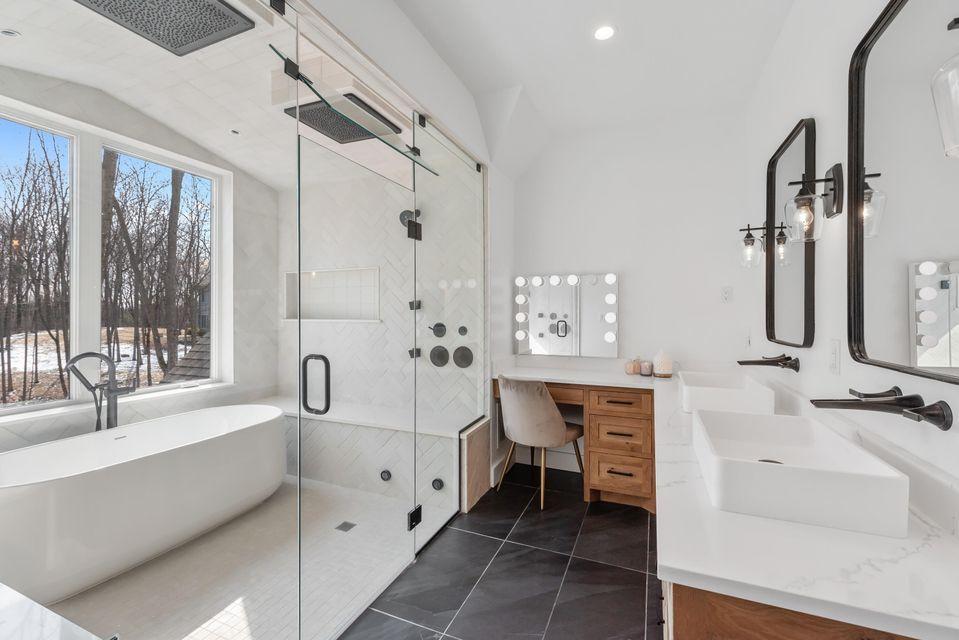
{"x": 447, "y": 425}
{"x": 23, "y": 619}
{"x": 579, "y": 376}
{"x": 908, "y": 586}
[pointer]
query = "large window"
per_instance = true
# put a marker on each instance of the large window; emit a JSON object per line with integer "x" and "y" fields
{"x": 35, "y": 225}
{"x": 156, "y": 249}
{"x": 149, "y": 223}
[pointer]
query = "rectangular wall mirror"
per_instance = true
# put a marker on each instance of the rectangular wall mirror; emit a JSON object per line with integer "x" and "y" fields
{"x": 903, "y": 189}
{"x": 790, "y": 265}
{"x": 566, "y": 315}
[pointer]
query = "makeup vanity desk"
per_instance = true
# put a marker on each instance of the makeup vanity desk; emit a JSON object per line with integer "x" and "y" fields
{"x": 618, "y": 426}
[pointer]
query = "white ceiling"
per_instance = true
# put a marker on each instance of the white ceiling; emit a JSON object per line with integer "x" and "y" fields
{"x": 667, "y": 56}
{"x": 234, "y": 84}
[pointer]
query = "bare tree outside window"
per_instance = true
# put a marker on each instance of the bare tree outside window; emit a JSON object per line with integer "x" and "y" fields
{"x": 34, "y": 264}
{"x": 156, "y": 271}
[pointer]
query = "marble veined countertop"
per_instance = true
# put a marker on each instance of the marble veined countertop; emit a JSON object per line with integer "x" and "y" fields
{"x": 908, "y": 586}
{"x": 23, "y": 619}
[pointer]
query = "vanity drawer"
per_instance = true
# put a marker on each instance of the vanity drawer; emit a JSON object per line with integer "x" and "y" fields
{"x": 621, "y": 474}
{"x": 622, "y": 402}
{"x": 619, "y": 433}
{"x": 563, "y": 394}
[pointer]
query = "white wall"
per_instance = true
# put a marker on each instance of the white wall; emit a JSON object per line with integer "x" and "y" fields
{"x": 659, "y": 205}
{"x": 254, "y": 263}
{"x": 801, "y": 81}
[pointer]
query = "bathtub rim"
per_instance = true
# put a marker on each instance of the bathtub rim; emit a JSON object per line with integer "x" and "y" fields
{"x": 279, "y": 415}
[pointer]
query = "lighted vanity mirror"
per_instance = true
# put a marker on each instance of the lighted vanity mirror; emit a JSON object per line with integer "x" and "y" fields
{"x": 566, "y": 314}
{"x": 903, "y": 190}
{"x": 790, "y": 259}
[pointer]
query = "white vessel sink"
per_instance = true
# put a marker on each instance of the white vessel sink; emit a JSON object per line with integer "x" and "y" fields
{"x": 794, "y": 468}
{"x": 732, "y": 391}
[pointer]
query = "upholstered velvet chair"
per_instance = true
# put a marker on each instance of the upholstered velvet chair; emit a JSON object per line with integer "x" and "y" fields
{"x": 531, "y": 418}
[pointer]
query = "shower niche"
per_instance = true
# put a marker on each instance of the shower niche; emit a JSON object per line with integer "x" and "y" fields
{"x": 344, "y": 295}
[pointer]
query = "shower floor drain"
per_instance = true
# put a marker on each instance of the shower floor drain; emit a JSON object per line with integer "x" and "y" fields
{"x": 770, "y": 461}
{"x": 345, "y": 526}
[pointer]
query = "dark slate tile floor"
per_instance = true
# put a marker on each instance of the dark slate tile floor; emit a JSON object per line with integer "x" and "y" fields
{"x": 507, "y": 571}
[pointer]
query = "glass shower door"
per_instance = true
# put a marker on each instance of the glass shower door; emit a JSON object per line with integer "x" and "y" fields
{"x": 451, "y": 321}
{"x": 348, "y": 276}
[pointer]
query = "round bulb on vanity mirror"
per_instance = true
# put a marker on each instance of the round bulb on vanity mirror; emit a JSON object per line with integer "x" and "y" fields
{"x": 555, "y": 280}
{"x": 610, "y": 298}
{"x": 572, "y": 280}
{"x": 521, "y": 317}
{"x": 610, "y": 317}
{"x": 610, "y": 337}
{"x": 928, "y": 268}
{"x": 520, "y": 335}
{"x": 520, "y": 281}
{"x": 610, "y": 278}
{"x": 928, "y": 341}
{"x": 927, "y": 293}
{"x": 520, "y": 299}
{"x": 537, "y": 281}
{"x": 928, "y": 316}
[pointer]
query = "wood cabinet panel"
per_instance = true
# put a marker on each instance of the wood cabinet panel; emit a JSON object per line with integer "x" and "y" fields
{"x": 621, "y": 434}
{"x": 694, "y": 614}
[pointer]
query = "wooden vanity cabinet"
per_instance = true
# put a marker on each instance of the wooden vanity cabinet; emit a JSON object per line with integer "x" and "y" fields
{"x": 695, "y": 614}
{"x": 618, "y": 444}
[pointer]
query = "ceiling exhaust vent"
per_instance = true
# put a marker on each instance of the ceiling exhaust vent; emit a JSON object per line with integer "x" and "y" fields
{"x": 320, "y": 116}
{"x": 179, "y": 26}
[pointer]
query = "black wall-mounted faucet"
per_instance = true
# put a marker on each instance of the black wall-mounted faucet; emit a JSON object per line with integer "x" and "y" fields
{"x": 782, "y": 361}
{"x": 910, "y": 406}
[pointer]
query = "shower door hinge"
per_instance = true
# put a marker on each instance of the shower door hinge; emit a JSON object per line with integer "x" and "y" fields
{"x": 291, "y": 69}
{"x": 414, "y": 150}
{"x": 479, "y": 168}
{"x": 414, "y": 353}
{"x": 279, "y": 6}
{"x": 414, "y": 230}
{"x": 422, "y": 119}
{"x": 414, "y": 517}
{"x": 416, "y": 305}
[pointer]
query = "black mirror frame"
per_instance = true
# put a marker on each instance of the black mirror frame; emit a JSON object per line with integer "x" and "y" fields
{"x": 857, "y": 178}
{"x": 807, "y": 126}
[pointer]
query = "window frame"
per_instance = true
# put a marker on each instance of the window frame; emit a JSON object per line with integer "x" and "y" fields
{"x": 87, "y": 143}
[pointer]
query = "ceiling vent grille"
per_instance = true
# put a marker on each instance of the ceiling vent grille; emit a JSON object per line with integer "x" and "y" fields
{"x": 179, "y": 26}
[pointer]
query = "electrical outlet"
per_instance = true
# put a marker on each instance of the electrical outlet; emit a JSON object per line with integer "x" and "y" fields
{"x": 726, "y": 294}
{"x": 835, "y": 351}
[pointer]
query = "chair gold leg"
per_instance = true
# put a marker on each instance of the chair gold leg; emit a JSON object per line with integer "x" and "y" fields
{"x": 542, "y": 478}
{"x": 509, "y": 454}
{"x": 579, "y": 456}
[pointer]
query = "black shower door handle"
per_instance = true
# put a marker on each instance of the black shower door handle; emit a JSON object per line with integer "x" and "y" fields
{"x": 305, "y": 386}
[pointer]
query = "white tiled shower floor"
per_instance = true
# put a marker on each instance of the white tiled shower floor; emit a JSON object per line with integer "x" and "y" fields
{"x": 238, "y": 582}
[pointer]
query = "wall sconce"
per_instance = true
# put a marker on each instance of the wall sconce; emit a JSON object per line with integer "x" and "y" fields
{"x": 805, "y": 212}
{"x": 945, "y": 95}
{"x": 751, "y": 251}
{"x": 873, "y": 205}
{"x": 782, "y": 252}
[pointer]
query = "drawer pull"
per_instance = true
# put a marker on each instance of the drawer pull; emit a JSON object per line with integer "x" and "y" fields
{"x": 620, "y": 434}
{"x": 614, "y": 472}
{"x": 626, "y": 402}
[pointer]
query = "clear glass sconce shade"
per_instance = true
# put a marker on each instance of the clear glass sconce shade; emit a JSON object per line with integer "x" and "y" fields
{"x": 804, "y": 218}
{"x": 873, "y": 205}
{"x": 782, "y": 250}
{"x": 751, "y": 251}
{"x": 945, "y": 93}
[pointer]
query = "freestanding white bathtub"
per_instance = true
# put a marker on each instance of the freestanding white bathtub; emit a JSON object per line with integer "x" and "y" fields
{"x": 78, "y": 511}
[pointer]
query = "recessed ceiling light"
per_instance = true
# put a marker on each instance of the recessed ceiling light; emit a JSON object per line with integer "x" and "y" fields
{"x": 9, "y": 33}
{"x": 604, "y": 33}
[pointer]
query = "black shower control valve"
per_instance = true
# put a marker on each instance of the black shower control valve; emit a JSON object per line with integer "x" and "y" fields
{"x": 385, "y": 475}
{"x": 438, "y": 484}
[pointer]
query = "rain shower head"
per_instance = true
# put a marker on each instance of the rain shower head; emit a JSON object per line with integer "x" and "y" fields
{"x": 323, "y": 118}
{"x": 179, "y": 26}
